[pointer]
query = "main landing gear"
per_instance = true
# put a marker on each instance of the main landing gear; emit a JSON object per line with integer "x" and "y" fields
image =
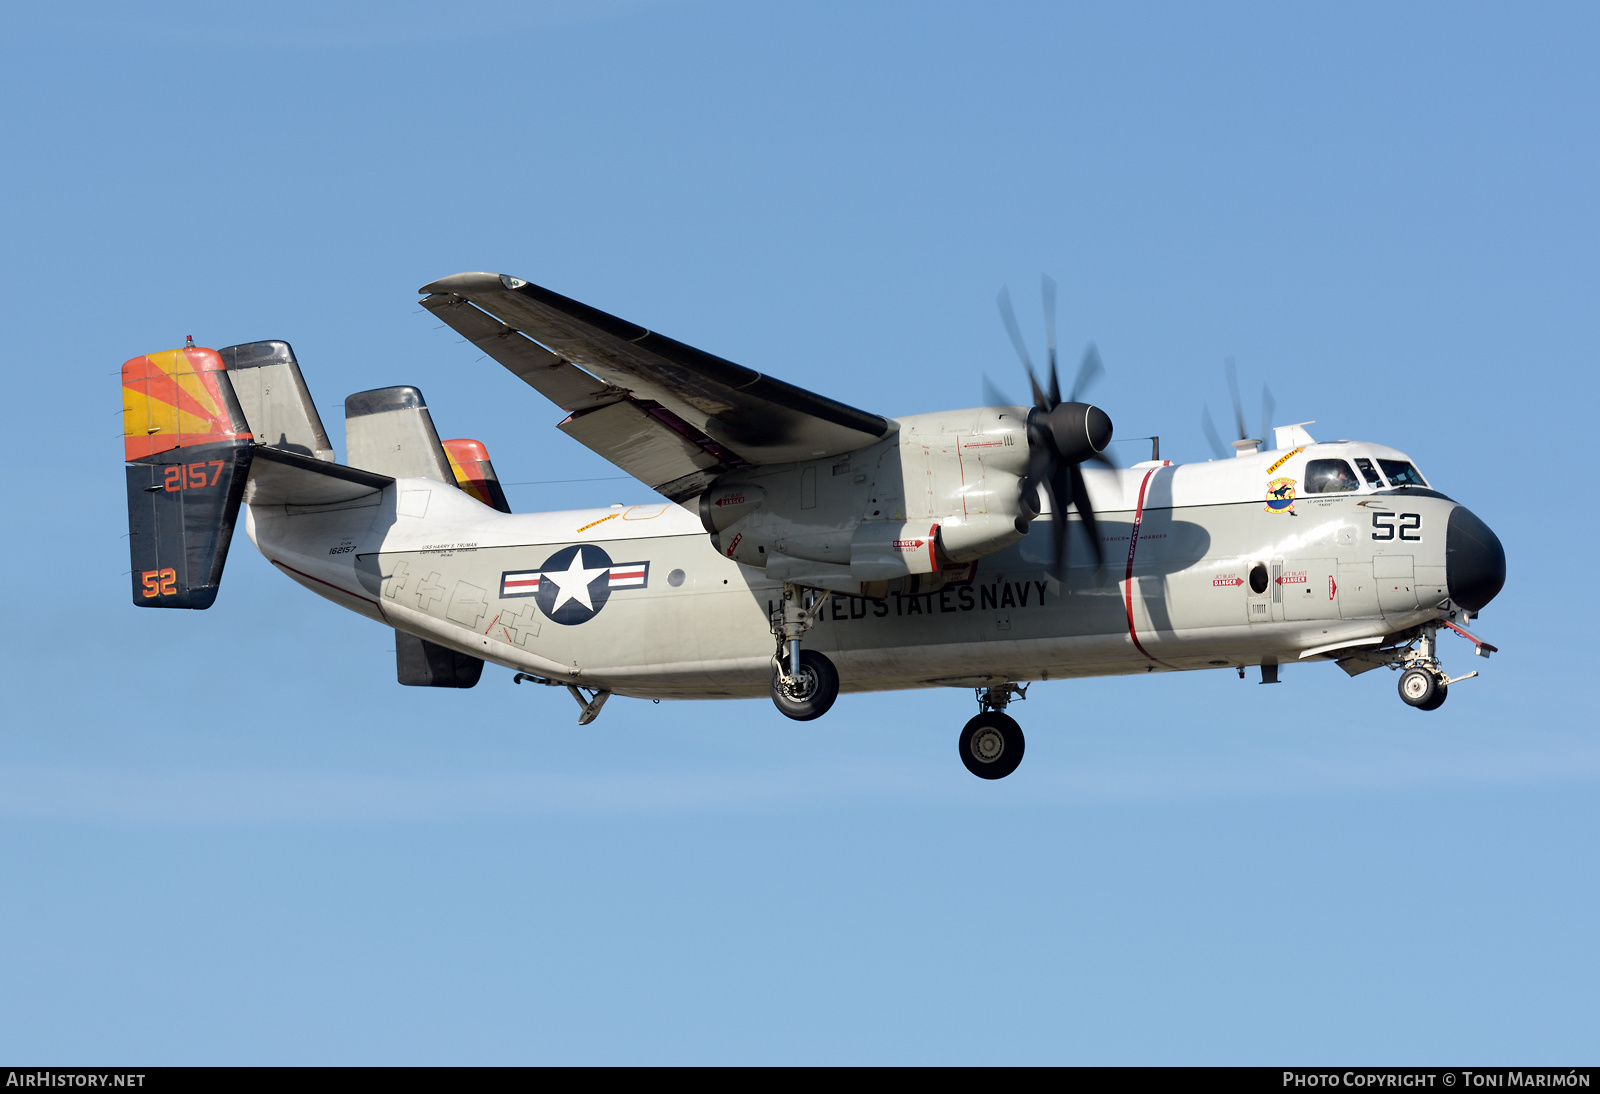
{"x": 804, "y": 682}
{"x": 992, "y": 743}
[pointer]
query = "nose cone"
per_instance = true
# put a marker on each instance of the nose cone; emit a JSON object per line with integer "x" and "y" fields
{"x": 1078, "y": 430}
{"x": 1098, "y": 426}
{"x": 1474, "y": 561}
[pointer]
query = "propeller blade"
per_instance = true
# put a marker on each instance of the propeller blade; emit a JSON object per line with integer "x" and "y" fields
{"x": 1060, "y": 500}
{"x": 1233, "y": 389}
{"x": 1090, "y": 369}
{"x": 1211, "y": 434}
{"x": 993, "y": 396}
{"x": 1080, "y": 501}
{"x": 1104, "y": 459}
{"x": 1048, "y": 291}
{"x": 1268, "y": 405}
{"x": 1009, "y": 317}
{"x": 1041, "y": 454}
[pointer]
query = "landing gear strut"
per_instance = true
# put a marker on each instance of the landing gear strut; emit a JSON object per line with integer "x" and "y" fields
{"x": 992, "y": 743}
{"x": 804, "y": 682}
{"x": 1423, "y": 683}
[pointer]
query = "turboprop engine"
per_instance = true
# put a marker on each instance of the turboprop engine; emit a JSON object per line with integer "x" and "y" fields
{"x": 945, "y": 489}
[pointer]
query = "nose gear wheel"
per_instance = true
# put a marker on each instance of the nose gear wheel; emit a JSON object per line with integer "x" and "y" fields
{"x": 1421, "y": 688}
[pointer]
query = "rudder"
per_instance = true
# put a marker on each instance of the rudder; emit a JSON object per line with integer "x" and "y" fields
{"x": 188, "y": 448}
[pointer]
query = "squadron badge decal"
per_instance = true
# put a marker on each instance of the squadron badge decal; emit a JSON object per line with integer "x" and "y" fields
{"x": 574, "y": 583}
{"x": 1280, "y": 496}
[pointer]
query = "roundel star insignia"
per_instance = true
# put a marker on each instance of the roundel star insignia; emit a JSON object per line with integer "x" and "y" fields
{"x": 574, "y": 584}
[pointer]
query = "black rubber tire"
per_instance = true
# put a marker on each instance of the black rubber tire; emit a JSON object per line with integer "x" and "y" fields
{"x": 819, "y": 687}
{"x": 992, "y": 745}
{"x": 1419, "y": 688}
{"x": 1438, "y": 699}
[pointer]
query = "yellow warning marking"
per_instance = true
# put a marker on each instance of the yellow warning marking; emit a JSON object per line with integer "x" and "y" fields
{"x": 602, "y": 520}
{"x": 1291, "y": 454}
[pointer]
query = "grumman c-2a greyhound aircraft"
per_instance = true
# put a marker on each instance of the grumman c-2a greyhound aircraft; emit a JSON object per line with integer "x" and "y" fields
{"x": 804, "y": 546}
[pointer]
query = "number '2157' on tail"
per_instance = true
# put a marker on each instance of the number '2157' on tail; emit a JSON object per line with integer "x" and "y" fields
{"x": 188, "y": 450}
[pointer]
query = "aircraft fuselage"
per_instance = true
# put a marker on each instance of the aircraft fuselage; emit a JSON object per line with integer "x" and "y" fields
{"x": 1207, "y": 565}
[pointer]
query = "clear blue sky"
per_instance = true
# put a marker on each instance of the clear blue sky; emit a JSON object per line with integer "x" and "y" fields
{"x": 229, "y": 836}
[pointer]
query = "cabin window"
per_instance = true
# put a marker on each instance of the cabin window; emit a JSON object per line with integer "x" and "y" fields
{"x": 1370, "y": 472}
{"x": 1330, "y": 477}
{"x": 1401, "y": 473}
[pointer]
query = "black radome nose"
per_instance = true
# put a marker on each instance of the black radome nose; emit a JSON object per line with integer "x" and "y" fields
{"x": 1474, "y": 560}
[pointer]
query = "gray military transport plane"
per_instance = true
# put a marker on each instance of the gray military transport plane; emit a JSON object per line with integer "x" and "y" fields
{"x": 804, "y": 546}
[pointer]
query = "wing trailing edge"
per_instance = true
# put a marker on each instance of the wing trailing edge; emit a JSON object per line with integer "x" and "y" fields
{"x": 694, "y": 415}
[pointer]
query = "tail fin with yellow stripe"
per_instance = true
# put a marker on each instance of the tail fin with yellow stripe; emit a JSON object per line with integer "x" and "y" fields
{"x": 187, "y": 447}
{"x": 469, "y": 463}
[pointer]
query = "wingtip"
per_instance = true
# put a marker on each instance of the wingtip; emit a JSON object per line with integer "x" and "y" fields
{"x": 465, "y": 284}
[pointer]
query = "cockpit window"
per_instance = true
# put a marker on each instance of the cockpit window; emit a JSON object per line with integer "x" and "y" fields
{"x": 1330, "y": 477}
{"x": 1370, "y": 472}
{"x": 1401, "y": 473}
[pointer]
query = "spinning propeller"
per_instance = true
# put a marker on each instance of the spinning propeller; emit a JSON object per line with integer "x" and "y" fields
{"x": 1268, "y": 404}
{"x": 1062, "y": 435}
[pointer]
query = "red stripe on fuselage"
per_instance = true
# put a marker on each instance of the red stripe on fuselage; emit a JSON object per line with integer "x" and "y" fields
{"x": 1127, "y": 587}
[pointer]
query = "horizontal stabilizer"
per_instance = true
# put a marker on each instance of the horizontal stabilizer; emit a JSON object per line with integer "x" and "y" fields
{"x": 278, "y": 477}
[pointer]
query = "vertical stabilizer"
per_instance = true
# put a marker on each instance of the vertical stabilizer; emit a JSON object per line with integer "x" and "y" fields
{"x": 187, "y": 447}
{"x": 423, "y": 664}
{"x": 469, "y": 462}
{"x": 266, "y": 379}
{"x": 389, "y": 430}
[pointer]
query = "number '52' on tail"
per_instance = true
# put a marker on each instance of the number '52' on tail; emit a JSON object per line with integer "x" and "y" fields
{"x": 188, "y": 449}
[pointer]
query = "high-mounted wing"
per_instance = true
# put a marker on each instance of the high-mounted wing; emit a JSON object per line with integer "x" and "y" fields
{"x": 673, "y": 416}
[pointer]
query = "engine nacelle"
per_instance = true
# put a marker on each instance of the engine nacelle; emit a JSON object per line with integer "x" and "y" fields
{"x": 943, "y": 489}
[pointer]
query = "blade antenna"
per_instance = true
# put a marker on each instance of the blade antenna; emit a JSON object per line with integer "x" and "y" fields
{"x": 1268, "y": 405}
{"x": 1009, "y": 318}
{"x": 1233, "y": 389}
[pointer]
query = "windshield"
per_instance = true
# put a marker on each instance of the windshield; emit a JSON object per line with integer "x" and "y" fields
{"x": 1330, "y": 477}
{"x": 1370, "y": 472}
{"x": 1401, "y": 473}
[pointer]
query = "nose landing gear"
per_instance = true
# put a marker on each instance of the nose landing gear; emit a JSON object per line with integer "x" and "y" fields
{"x": 1423, "y": 683}
{"x": 992, "y": 743}
{"x": 1423, "y": 688}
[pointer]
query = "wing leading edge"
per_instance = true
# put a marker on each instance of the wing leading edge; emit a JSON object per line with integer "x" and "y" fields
{"x": 673, "y": 416}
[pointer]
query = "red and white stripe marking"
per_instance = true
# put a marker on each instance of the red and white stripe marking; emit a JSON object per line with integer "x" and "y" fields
{"x": 629, "y": 575}
{"x": 623, "y": 575}
{"x": 519, "y": 583}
